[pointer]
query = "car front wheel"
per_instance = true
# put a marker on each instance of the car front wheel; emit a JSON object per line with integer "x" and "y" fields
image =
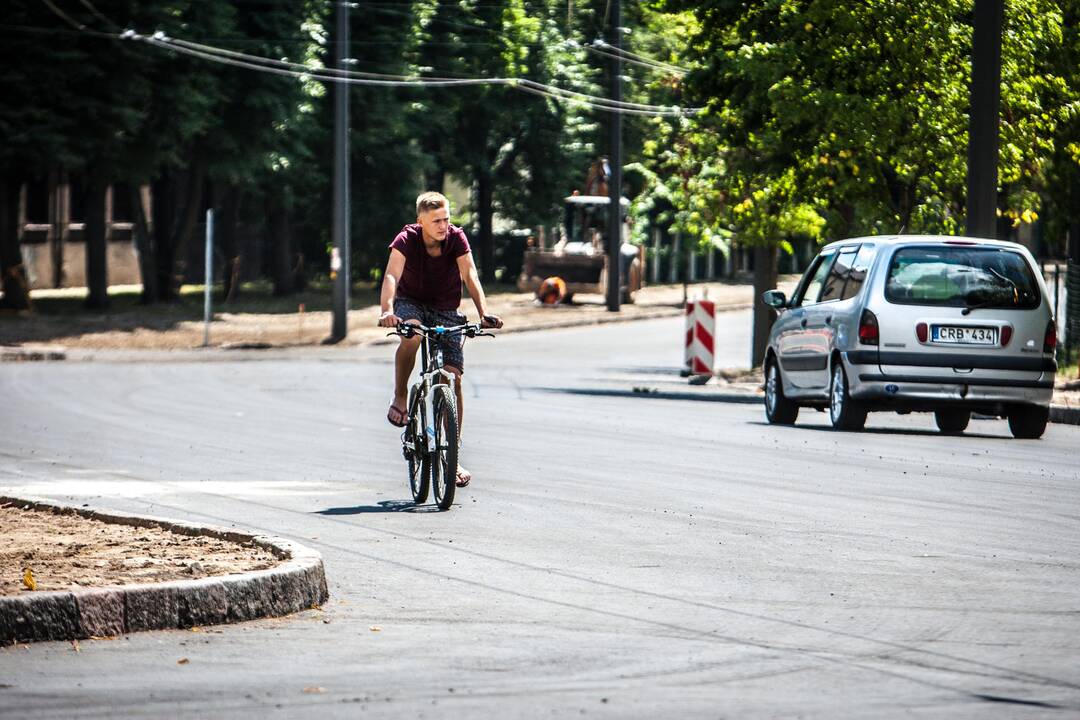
{"x": 845, "y": 413}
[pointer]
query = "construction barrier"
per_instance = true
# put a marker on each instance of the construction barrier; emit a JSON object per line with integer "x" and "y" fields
{"x": 700, "y": 343}
{"x": 687, "y": 351}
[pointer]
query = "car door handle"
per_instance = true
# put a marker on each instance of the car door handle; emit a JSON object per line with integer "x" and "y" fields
{"x": 828, "y": 319}
{"x": 803, "y": 323}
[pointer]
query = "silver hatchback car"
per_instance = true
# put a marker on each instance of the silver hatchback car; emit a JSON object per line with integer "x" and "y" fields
{"x": 949, "y": 325}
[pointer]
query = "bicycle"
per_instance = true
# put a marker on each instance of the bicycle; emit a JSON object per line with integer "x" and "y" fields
{"x": 430, "y": 439}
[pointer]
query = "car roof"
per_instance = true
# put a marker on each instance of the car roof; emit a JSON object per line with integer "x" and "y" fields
{"x": 901, "y": 240}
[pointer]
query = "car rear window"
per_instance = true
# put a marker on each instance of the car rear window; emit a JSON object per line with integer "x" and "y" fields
{"x": 961, "y": 277}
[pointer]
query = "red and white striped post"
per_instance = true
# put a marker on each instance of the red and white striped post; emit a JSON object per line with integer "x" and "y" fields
{"x": 701, "y": 342}
{"x": 687, "y": 352}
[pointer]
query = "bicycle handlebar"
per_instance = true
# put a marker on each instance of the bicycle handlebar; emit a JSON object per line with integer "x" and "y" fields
{"x": 470, "y": 330}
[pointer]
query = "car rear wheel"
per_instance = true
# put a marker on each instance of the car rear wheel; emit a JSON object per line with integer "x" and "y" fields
{"x": 952, "y": 421}
{"x": 845, "y": 413}
{"x": 1028, "y": 422}
{"x": 778, "y": 409}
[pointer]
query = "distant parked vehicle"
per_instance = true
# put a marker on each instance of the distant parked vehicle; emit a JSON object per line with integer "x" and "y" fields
{"x": 949, "y": 325}
{"x": 581, "y": 261}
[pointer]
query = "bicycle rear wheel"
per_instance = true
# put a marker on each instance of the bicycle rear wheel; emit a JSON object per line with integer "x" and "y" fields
{"x": 444, "y": 461}
{"x": 419, "y": 462}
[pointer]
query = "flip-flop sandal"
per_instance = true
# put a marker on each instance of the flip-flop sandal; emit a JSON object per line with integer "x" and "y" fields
{"x": 402, "y": 417}
{"x": 463, "y": 478}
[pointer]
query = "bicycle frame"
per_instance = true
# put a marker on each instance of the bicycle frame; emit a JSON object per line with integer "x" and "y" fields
{"x": 431, "y": 370}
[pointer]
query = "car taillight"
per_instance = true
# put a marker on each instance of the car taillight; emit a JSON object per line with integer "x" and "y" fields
{"x": 868, "y": 328}
{"x": 1050, "y": 338}
{"x": 1006, "y": 335}
{"x": 920, "y": 332}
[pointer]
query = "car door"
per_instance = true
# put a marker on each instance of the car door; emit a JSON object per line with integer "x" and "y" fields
{"x": 827, "y": 316}
{"x": 802, "y": 349}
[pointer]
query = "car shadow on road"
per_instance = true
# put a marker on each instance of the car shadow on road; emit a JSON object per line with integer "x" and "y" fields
{"x": 383, "y": 506}
{"x": 917, "y": 432}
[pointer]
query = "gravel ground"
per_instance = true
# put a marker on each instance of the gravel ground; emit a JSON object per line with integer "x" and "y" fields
{"x": 68, "y": 552}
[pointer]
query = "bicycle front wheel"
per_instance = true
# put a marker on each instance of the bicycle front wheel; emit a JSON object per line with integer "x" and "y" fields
{"x": 419, "y": 462}
{"x": 444, "y": 461}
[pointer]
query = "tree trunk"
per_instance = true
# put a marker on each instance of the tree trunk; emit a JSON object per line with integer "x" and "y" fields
{"x": 277, "y": 215}
{"x": 144, "y": 247}
{"x": 435, "y": 177}
{"x": 95, "y": 237}
{"x": 846, "y": 211}
{"x": 188, "y": 218}
{"x": 163, "y": 204}
{"x": 765, "y": 274}
{"x": 15, "y": 284}
{"x": 1072, "y": 310}
{"x": 1072, "y": 295}
{"x": 485, "y": 211}
{"x": 225, "y": 226}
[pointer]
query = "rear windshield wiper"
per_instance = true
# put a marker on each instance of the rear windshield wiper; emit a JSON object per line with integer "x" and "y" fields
{"x": 990, "y": 301}
{"x": 1014, "y": 286}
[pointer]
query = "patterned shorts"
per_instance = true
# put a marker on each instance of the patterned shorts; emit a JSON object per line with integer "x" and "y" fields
{"x": 451, "y": 345}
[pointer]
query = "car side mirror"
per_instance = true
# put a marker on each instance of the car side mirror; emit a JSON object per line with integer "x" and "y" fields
{"x": 775, "y": 299}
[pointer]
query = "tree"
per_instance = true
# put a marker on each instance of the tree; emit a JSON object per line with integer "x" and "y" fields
{"x": 553, "y": 142}
{"x": 37, "y": 130}
{"x": 521, "y": 152}
{"x": 473, "y": 39}
{"x": 1062, "y": 188}
{"x": 386, "y": 161}
{"x": 252, "y": 136}
{"x": 840, "y": 119}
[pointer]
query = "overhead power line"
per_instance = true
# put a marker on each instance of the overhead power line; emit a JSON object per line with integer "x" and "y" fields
{"x": 600, "y": 47}
{"x": 332, "y": 75}
{"x": 355, "y": 77}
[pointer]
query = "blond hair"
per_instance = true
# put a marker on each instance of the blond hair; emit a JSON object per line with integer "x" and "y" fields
{"x": 431, "y": 200}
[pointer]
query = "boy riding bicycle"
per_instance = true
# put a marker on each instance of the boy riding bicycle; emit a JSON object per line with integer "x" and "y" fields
{"x": 428, "y": 262}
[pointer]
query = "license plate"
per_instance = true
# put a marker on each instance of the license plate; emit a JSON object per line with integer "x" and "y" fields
{"x": 958, "y": 335}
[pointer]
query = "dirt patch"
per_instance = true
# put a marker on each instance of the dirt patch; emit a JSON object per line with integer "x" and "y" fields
{"x": 68, "y": 551}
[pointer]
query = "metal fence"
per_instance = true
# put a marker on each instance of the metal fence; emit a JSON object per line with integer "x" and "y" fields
{"x": 1063, "y": 282}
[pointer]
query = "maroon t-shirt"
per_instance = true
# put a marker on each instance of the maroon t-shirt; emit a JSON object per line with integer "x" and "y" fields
{"x": 431, "y": 281}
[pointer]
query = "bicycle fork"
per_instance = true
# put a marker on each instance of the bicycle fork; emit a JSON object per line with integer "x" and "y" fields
{"x": 429, "y": 405}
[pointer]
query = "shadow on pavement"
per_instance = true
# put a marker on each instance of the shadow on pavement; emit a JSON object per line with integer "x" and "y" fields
{"x": 384, "y": 506}
{"x": 889, "y": 431}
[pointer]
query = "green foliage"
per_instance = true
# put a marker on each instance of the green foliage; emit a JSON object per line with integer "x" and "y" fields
{"x": 1062, "y": 169}
{"x": 823, "y": 118}
{"x": 533, "y": 148}
{"x": 386, "y": 163}
{"x": 857, "y": 112}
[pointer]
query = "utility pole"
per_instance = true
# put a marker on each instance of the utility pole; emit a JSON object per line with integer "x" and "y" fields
{"x": 615, "y": 161}
{"x": 983, "y": 121}
{"x": 339, "y": 259}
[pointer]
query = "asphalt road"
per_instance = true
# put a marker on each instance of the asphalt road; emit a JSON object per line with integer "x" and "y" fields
{"x": 614, "y": 557}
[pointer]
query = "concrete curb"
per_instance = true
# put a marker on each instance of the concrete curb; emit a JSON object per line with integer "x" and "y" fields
{"x": 296, "y": 584}
{"x": 1065, "y": 414}
{"x": 20, "y": 353}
